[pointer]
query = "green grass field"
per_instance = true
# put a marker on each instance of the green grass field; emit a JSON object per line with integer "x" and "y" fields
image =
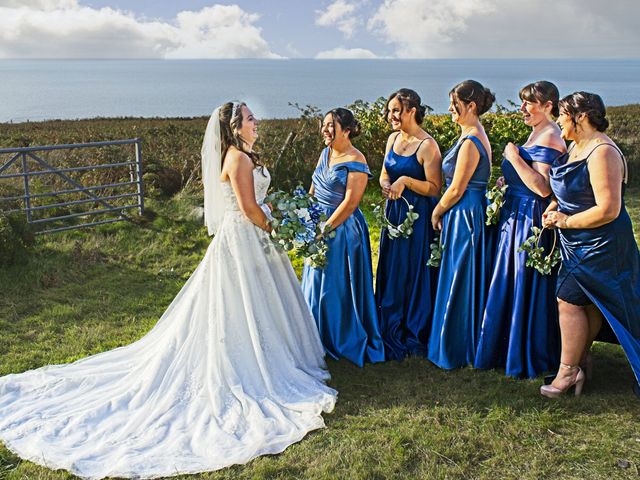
{"x": 85, "y": 292}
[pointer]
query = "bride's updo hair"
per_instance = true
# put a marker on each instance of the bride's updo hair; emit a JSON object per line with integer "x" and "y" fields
{"x": 409, "y": 99}
{"x": 346, "y": 120}
{"x": 588, "y": 103}
{"x": 542, "y": 92}
{"x": 230, "y": 116}
{"x": 472, "y": 91}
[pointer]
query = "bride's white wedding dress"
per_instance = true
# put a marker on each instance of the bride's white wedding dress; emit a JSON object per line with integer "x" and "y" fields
{"x": 234, "y": 369}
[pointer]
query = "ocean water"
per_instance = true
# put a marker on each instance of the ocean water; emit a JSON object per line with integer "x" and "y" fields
{"x": 67, "y": 89}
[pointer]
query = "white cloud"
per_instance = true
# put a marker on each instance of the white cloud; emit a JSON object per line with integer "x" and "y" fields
{"x": 65, "y": 29}
{"x": 39, "y": 4}
{"x": 421, "y": 29}
{"x": 339, "y": 14}
{"x": 220, "y": 31}
{"x": 346, "y": 53}
{"x": 508, "y": 29}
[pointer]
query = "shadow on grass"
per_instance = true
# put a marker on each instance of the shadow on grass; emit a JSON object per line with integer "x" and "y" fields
{"x": 416, "y": 382}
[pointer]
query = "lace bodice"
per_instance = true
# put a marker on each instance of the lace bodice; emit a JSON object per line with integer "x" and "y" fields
{"x": 261, "y": 182}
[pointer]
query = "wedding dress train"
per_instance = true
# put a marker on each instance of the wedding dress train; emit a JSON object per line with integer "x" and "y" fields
{"x": 234, "y": 369}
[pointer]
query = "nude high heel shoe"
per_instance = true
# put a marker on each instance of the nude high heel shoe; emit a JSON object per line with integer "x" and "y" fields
{"x": 578, "y": 382}
{"x": 586, "y": 365}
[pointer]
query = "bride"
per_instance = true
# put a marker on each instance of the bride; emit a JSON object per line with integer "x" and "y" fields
{"x": 234, "y": 368}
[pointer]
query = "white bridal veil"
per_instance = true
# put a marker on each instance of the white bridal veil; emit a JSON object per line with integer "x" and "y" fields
{"x": 211, "y": 170}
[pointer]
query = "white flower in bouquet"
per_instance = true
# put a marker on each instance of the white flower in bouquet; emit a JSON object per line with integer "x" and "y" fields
{"x": 298, "y": 225}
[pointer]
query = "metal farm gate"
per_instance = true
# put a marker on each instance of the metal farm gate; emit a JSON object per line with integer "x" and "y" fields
{"x": 55, "y": 185}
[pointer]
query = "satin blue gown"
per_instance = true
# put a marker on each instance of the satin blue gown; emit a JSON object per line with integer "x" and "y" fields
{"x": 341, "y": 295}
{"x": 520, "y": 330}
{"x": 405, "y": 285}
{"x": 604, "y": 261}
{"x": 463, "y": 277}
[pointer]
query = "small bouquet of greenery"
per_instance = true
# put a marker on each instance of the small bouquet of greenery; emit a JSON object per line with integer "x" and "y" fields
{"x": 404, "y": 230}
{"x": 496, "y": 197}
{"x": 436, "y": 248}
{"x": 299, "y": 225}
{"x": 536, "y": 257}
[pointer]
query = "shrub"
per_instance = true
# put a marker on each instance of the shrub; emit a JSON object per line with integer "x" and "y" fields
{"x": 289, "y": 147}
{"x": 375, "y": 130}
{"x": 16, "y": 238}
{"x": 625, "y": 131}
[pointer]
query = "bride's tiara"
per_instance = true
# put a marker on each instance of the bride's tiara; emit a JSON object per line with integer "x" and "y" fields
{"x": 236, "y": 108}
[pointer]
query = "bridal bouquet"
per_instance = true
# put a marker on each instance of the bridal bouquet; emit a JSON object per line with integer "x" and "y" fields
{"x": 299, "y": 225}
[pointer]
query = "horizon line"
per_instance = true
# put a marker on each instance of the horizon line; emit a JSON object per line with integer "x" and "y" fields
{"x": 520, "y": 59}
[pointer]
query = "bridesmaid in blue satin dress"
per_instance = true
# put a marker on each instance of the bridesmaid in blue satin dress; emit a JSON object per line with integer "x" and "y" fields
{"x": 341, "y": 294}
{"x": 405, "y": 285}
{"x": 460, "y": 216}
{"x": 600, "y": 274}
{"x": 520, "y": 331}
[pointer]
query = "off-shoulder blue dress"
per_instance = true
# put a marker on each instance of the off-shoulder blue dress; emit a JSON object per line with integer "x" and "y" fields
{"x": 519, "y": 330}
{"x": 603, "y": 261}
{"x": 463, "y": 277}
{"x": 341, "y": 294}
{"x": 405, "y": 285}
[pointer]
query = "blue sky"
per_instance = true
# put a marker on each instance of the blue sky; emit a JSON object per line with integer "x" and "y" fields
{"x": 319, "y": 29}
{"x": 287, "y": 25}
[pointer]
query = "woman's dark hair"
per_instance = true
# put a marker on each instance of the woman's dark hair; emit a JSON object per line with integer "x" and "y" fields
{"x": 472, "y": 91}
{"x": 346, "y": 120}
{"x": 230, "y": 116}
{"x": 542, "y": 92}
{"x": 408, "y": 99}
{"x": 588, "y": 103}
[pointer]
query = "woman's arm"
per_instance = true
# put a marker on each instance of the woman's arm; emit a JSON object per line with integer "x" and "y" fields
{"x": 312, "y": 189}
{"x": 356, "y": 185}
{"x": 605, "y": 172}
{"x": 385, "y": 181}
{"x": 468, "y": 158}
{"x": 429, "y": 156}
{"x": 535, "y": 177}
{"x": 239, "y": 168}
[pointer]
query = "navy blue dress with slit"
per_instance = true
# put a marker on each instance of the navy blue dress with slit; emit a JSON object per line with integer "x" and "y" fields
{"x": 603, "y": 261}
